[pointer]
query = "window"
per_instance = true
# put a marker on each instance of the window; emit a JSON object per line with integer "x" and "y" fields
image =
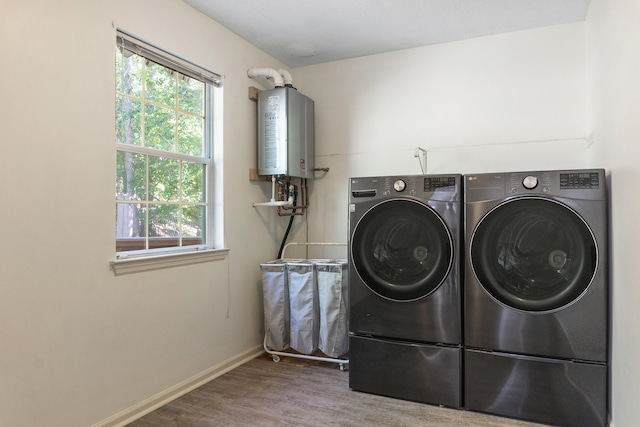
{"x": 164, "y": 152}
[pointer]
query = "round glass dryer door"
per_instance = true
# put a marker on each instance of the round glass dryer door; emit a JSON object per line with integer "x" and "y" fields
{"x": 533, "y": 254}
{"x": 401, "y": 249}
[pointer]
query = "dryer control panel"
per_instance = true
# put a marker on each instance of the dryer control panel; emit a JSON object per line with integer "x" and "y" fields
{"x": 578, "y": 184}
{"x": 577, "y": 180}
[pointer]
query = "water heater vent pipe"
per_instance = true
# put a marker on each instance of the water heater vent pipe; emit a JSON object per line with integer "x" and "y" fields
{"x": 286, "y": 76}
{"x": 269, "y": 73}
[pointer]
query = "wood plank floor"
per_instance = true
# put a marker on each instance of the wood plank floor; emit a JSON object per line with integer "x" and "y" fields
{"x": 299, "y": 392}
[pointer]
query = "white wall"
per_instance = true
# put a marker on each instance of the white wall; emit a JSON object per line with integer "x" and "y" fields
{"x": 507, "y": 102}
{"x": 79, "y": 344}
{"x": 613, "y": 51}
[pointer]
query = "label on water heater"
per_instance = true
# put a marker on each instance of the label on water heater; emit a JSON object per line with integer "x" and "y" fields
{"x": 270, "y": 140}
{"x": 271, "y": 136}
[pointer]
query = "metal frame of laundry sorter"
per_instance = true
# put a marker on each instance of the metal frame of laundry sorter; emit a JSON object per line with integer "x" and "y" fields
{"x": 275, "y": 355}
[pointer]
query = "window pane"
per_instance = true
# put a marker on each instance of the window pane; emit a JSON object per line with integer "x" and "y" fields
{"x": 130, "y": 176}
{"x": 193, "y": 182}
{"x": 160, "y": 84}
{"x": 128, "y": 123}
{"x": 190, "y": 134}
{"x": 159, "y": 128}
{"x": 128, "y": 72}
{"x": 130, "y": 227}
{"x": 164, "y": 179}
{"x": 193, "y": 221}
{"x": 191, "y": 95}
{"x": 164, "y": 221}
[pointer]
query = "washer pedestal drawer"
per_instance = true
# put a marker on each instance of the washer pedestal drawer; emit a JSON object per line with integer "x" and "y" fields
{"x": 410, "y": 371}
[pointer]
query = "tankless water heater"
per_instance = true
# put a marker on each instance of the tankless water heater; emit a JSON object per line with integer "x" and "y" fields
{"x": 285, "y": 133}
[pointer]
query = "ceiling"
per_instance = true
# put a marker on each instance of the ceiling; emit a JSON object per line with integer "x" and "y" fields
{"x": 307, "y": 32}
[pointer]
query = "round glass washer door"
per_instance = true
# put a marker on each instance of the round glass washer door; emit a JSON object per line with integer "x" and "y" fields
{"x": 533, "y": 254}
{"x": 401, "y": 249}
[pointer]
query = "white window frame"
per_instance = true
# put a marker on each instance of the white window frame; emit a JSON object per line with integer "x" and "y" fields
{"x": 213, "y": 247}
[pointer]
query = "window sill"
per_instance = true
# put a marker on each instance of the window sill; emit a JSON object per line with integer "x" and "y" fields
{"x": 148, "y": 263}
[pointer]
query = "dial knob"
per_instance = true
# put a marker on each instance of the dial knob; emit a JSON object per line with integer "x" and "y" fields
{"x": 399, "y": 185}
{"x": 530, "y": 182}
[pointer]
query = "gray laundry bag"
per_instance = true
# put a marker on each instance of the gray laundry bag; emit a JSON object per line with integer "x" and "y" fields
{"x": 333, "y": 339}
{"x": 303, "y": 304}
{"x": 275, "y": 292}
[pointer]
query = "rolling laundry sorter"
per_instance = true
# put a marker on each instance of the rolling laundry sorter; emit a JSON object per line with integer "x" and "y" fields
{"x": 306, "y": 308}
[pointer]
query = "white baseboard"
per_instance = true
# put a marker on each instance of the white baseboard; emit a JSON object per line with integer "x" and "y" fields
{"x": 134, "y": 412}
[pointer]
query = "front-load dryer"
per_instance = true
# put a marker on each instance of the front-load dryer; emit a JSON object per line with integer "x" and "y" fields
{"x": 404, "y": 287}
{"x": 536, "y": 296}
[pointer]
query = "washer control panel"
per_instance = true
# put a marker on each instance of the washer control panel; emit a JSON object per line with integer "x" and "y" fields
{"x": 440, "y": 183}
{"x": 399, "y": 184}
{"x": 432, "y": 187}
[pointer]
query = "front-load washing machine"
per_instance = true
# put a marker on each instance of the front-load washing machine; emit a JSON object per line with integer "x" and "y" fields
{"x": 404, "y": 287}
{"x": 536, "y": 296}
